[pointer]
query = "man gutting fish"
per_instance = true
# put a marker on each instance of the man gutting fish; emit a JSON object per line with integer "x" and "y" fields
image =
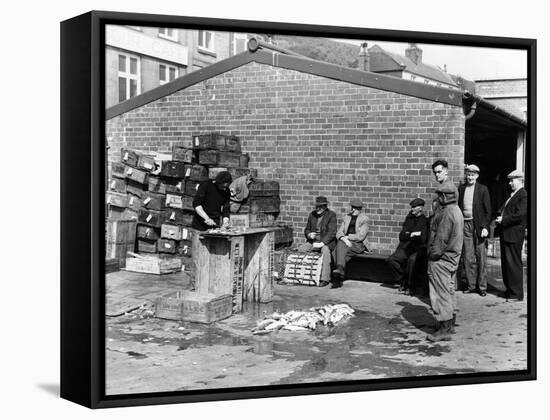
{"x": 328, "y": 315}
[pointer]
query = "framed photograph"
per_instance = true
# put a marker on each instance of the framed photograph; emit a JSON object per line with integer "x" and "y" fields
{"x": 257, "y": 209}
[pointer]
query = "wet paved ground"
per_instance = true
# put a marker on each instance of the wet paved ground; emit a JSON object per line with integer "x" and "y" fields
{"x": 386, "y": 339}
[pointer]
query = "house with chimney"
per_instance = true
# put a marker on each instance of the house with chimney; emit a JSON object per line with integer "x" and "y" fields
{"x": 409, "y": 67}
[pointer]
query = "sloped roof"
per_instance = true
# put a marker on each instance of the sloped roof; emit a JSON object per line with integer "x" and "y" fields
{"x": 406, "y": 64}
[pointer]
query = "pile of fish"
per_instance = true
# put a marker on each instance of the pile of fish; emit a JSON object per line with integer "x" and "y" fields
{"x": 328, "y": 315}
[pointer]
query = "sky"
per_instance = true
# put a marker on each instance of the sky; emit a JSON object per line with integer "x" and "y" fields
{"x": 469, "y": 62}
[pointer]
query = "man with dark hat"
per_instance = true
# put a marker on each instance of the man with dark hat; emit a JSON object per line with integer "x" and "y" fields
{"x": 475, "y": 204}
{"x": 511, "y": 225}
{"x": 444, "y": 250}
{"x": 412, "y": 241}
{"x": 320, "y": 233}
{"x": 352, "y": 240}
{"x": 211, "y": 203}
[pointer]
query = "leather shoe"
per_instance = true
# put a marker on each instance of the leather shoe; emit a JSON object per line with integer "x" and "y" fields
{"x": 323, "y": 283}
{"x": 335, "y": 285}
{"x": 483, "y": 294}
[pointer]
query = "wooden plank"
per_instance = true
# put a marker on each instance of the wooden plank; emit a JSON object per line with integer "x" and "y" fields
{"x": 236, "y": 267}
{"x": 258, "y": 273}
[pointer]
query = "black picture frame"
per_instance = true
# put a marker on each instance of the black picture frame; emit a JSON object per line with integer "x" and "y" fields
{"x": 83, "y": 203}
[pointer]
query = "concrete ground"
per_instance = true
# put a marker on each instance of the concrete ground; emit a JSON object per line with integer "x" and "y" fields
{"x": 386, "y": 338}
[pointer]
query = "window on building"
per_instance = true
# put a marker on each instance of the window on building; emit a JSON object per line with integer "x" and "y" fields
{"x": 167, "y": 73}
{"x": 206, "y": 40}
{"x": 128, "y": 77}
{"x": 168, "y": 33}
{"x": 413, "y": 77}
{"x": 239, "y": 43}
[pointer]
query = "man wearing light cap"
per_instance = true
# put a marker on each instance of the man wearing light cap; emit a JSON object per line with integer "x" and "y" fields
{"x": 444, "y": 250}
{"x": 412, "y": 240}
{"x": 475, "y": 204}
{"x": 511, "y": 224}
{"x": 352, "y": 240}
{"x": 320, "y": 233}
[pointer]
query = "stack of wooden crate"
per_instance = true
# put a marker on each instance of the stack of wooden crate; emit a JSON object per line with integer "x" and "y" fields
{"x": 262, "y": 207}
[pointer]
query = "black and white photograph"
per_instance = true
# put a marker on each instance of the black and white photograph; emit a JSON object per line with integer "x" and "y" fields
{"x": 289, "y": 210}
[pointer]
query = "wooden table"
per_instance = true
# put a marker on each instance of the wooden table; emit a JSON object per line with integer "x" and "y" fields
{"x": 239, "y": 263}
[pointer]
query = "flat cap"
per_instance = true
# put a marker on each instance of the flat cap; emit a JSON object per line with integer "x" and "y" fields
{"x": 446, "y": 188}
{"x": 515, "y": 174}
{"x": 356, "y": 203}
{"x": 417, "y": 202}
{"x": 472, "y": 168}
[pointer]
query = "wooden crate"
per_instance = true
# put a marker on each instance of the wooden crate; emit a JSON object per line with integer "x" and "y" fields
{"x": 216, "y": 141}
{"x": 198, "y": 173}
{"x": 153, "y": 264}
{"x": 150, "y": 217}
{"x": 118, "y": 170}
{"x": 117, "y": 185}
{"x": 157, "y": 185}
{"x": 134, "y": 202}
{"x": 264, "y": 189}
{"x": 303, "y": 268}
{"x": 213, "y": 172}
{"x": 185, "y": 248}
{"x": 146, "y": 162}
{"x": 193, "y": 307}
{"x": 243, "y": 160}
{"x": 116, "y": 199}
{"x": 167, "y": 246}
{"x": 264, "y": 205}
{"x": 120, "y": 237}
{"x": 191, "y": 187}
{"x": 148, "y": 232}
{"x": 136, "y": 188}
{"x": 137, "y": 175}
{"x": 175, "y": 169}
{"x": 129, "y": 157}
{"x": 177, "y": 216}
{"x": 230, "y": 160}
{"x": 144, "y": 245}
{"x": 153, "y": 201}
{"x": 171, "y": 232}
{"x": 182, "y": 153}
{"x": 238, "y": 172}
{"x": 252, "y": 220}
{"x": 119, "y": 213}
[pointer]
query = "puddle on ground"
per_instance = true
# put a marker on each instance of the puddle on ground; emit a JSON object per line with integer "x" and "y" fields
{"x": 366, "y": 342}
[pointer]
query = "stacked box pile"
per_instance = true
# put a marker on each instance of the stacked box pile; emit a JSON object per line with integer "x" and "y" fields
{"x": 158, "y": 195}
{"x": 262, "y": 207}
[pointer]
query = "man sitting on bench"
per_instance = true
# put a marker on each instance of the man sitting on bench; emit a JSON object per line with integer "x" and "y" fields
{"x": 352, "y": 240}
{"x": 412, "y": 242}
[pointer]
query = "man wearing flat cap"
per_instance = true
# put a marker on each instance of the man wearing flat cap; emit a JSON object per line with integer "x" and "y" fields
{"x": 412, "y": 241}
{"x": 352, "y": 240}
{"x": 475, "y": 204}
{"x": 444, "y": 250}
{"x": 320, "y": 233}
{"x": 511, "y": 225}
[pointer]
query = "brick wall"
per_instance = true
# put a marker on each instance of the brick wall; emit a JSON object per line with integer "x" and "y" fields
{"x": 316, "y": 136}
{"x": 510, "y": 95}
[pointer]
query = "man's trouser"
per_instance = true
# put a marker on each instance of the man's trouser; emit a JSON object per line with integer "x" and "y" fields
{"x": 512, "y": 267}
{"x": 343, "y": 253}
{"x": 442, "y": 289}
{"x": 474, "y": 254}
{"x": 325, "y": 251}
{"x": 402, "y": 267}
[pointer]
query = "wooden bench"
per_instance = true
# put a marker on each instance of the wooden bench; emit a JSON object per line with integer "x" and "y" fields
{"x": 369, "y": 266}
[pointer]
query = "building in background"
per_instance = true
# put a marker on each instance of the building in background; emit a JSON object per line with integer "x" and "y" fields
{"x": 509, "y": 94}
{"x": 139, "y": 59}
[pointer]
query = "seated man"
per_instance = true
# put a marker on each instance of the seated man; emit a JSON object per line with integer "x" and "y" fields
{"x": 412, "y": 242}
{"x": 352, "y": 240}
{"x": 320, "y": 234}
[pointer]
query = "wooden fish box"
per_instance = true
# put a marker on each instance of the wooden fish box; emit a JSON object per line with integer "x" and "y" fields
{"x": 157, "y": 185}
{"x": 216, "y": 141}
{"x": 191, "y": 187}
{"x": 146, "y": 162}
{"x": 193, "y": 307}
{"x": 303, "y": 268}
{"x": 117, "y": 185}
{"x": 147, "y": 232}
{"x": 174, "y": 186}
{"x": 182, "y": 153}
{"x": 219, "y": 158}
{"x": 177, "y": 216}
{"x": 264, "y": 189}
{"x": 252, "y": 220}
{"x": 120, "y": 237}
{"x": 185, "y": 248}
{"x": 137, "y": 175}
{"x": 118, "y": 170}
{"x": 129, "y": 157}
{"x": 187, "y": 234}
{"x": 134, "y": 202}
{"x": 175, "y": 169}
{"x": 213, "y": 172}
{"x": 150, "y": 217}
{"x": 154, "y": 201}
{"x": 144, "y": 245}
{"x": 179, "y": 201}
{"x": 243, "y": 160}
{"x": 167, "y": 246}
{"x": 153, "y": 264}
{"x": 171, "y": 232}
{"x": 136, "y": 188}
{"x": 230, "y": 159}
{"x": 198, "y": 173}
{"x": 119, "y": 213}
{"x": 264, "y": 205}
{"x": 116, "y": 199}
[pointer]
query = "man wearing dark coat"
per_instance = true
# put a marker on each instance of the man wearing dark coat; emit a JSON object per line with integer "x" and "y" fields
{"x": 511, "y": 225}
{"x": 475, "y": 204}
{"x": 412, "y": 242}
{"x": 320, "y": 233}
